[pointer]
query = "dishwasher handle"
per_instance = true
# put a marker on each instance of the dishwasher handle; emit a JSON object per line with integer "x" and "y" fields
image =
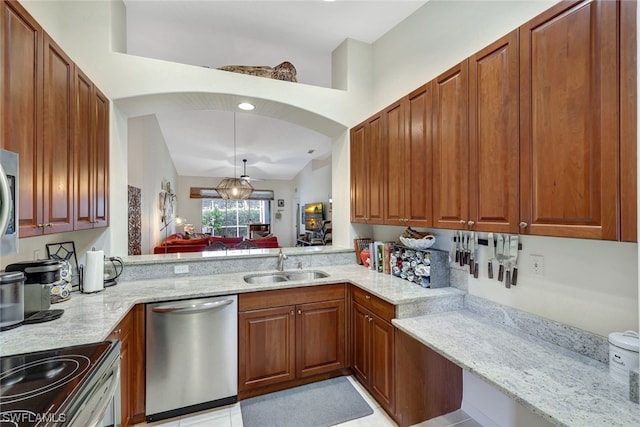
{"x": 188, "y": 308}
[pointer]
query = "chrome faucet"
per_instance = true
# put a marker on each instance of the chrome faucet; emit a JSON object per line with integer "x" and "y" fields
{"x": 281, "y": 258}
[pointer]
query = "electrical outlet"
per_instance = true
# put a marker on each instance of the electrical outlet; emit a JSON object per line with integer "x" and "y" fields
{"x": 36, "y": 254}
{"x": 181, "y": 269}
{"x": 537, "y": 265}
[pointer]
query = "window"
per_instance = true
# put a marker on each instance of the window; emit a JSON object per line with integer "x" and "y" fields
{"x": 229, "y": 218}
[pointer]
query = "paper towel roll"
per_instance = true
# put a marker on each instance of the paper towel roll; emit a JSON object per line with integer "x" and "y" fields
{"x": 94, "y": 273}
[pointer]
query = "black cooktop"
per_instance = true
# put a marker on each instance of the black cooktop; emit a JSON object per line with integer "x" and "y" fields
{"x": 37, "y": 388}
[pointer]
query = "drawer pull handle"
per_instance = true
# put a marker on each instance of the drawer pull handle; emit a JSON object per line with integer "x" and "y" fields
{"x": 367, "y": 296}
{"x": 299, "y": 311}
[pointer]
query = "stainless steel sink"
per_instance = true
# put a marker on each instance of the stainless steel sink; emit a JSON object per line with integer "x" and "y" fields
{"x": 305, "y": 275}
{"x": 284, "y": 276}
{"x": 265, "y": 278}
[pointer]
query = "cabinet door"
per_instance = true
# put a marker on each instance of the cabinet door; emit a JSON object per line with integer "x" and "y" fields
{"x": 361, "y": 336}
{"x": 569, "y": 121}
{"x": 58, "y": 140}
{"x": 394, "y": 138}
{"x": 124, "y": 332}
{"x": 494, "y": 137}
{"x": 358, "y": 174}
{"x": 374, "y": 149}
{"x": 83, "y": 148}
{"x": 266, "y": 347}
{"x": 100, "y": 159}
{"x": 382, "y": 374}
{"x": 320, "y": 338}
{"x": 21, "y": 91}
{"x": 418, "y": 157}
{"x": 451, "y": 149}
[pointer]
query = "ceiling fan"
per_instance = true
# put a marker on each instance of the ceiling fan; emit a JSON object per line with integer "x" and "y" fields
{"x": 245, "y": 176}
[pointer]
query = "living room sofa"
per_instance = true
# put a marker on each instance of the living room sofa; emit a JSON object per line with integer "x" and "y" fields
{"x": 179, "y": 242}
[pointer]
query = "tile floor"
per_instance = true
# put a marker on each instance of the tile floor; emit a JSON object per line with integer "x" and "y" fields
{"x": 230, "y": 416}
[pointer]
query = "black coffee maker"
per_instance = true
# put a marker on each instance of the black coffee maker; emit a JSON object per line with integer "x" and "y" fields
{"x": 40, "y": 275}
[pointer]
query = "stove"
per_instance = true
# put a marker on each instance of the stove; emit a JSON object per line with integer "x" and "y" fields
{"x": 70, "y": 386}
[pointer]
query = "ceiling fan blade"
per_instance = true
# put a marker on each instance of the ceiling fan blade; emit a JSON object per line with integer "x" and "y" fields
{"x": 245, "y": 176}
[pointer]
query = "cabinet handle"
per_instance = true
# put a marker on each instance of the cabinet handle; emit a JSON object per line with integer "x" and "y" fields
{"x": 370, "y": 318}
{"x": 368, "y": 297}
{"x": 471, "y": 223}
{"x": 299, "y": 311}
{"x": 463, "y": 222}
{"x": 366, "y": 316}
{"x": 523, "y": 224}
{"x": 40, "y": 226}
{"x": 291, "y": 312}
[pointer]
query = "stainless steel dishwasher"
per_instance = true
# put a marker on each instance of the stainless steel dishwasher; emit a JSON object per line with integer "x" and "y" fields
{"x": 192, "y": 356}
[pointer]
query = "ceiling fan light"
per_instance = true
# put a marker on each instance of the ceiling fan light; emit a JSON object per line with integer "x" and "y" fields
{"x": 234, "y": 189}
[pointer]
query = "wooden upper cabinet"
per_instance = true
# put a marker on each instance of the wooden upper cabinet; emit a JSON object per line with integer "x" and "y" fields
{"x": 494, "y": 137}
{"x": 374, "y": 147}
{"x": 21, "y": 90}
{"x": 100, "y": 161}
{"x": 83, "y": 153}
{"x": 418, "y": 157}
{"x": 58, "y": 141}
{"x": 408, "y": 137}
{"x": 569, "y": 121}
{"x": 367, "y": 172}
{"x": 394, "y": 138}
{"x": 358, "y": 174}
{"x": 451, "y": 148}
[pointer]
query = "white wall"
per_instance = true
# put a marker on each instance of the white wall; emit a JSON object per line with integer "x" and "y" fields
{"x": 191, "y": 209}
{"x": 149, "y": 164}
{"x": 437, "y": 36}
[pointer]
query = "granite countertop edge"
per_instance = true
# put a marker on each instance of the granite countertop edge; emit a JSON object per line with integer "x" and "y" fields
{"x": 564, "y": 387}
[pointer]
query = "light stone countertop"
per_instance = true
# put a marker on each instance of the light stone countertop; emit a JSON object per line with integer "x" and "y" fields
{"x": 562, "y": 386}
{"x": 90, "y": 318}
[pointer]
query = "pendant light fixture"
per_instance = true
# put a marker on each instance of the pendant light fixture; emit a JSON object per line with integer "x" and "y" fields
{"x": 234, "y": 188}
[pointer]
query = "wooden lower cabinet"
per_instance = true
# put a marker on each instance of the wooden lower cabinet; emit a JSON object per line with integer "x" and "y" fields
{"x": 428, "y": 385}
{"x": 372, "y": 357}
{"x": 130, "y": 332}
{"x": 291, "y": 336}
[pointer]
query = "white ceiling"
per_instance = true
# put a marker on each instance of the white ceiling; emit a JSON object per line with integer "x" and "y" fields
{"x": 214, "y": 33}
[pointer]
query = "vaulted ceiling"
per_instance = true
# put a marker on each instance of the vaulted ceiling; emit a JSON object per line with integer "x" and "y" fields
{"x": 214, "y": 33}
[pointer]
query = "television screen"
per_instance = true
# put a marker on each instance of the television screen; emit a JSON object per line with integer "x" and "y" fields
{"x": 313, "y": 216}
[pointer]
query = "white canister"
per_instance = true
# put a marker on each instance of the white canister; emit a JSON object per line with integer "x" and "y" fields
{"x": 623, "y": 354}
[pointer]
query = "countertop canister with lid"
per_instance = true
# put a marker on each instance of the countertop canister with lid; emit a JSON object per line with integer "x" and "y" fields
{"x": 623, "y": 354}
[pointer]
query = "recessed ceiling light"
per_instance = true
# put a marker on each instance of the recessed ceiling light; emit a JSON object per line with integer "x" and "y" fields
{"x": 246, "y": 106}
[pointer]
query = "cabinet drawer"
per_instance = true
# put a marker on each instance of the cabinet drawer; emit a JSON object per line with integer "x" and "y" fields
{"x": 123, "y": 329}
{"x": 377, "y": 305}
{"x": 293, "y": 296}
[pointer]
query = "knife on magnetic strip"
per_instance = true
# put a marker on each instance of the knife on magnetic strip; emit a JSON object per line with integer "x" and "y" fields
{"x": 491, "y": 255}
{"x": 472, "y": 243}
{"x": 475, "y": 267}
{"x": 500, "y": 256}
{"x": 513, "y": 258}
